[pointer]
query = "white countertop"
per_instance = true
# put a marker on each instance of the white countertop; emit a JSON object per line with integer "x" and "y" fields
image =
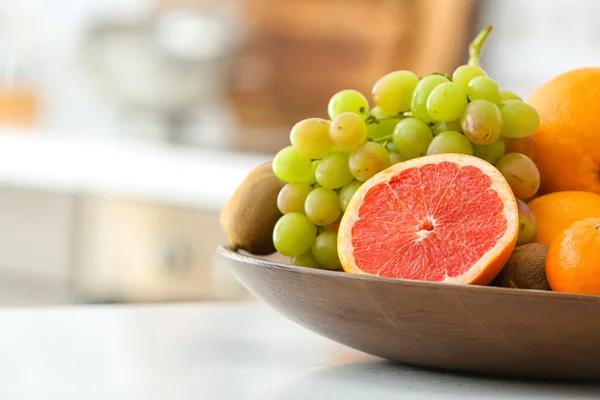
{"x": 207, "y": 351}
{"x": 195, "y": 177}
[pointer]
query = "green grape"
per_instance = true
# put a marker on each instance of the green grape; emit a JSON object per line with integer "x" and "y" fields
{"x": 440, "y": 127}
{"x": 395, "y": 158}
{"x": 527, "y": 224}
{"x": 313, "y": 171}
{"x": 293, "y": 234}
{"x": 367, "y": 160}
{"x": 322, "y": 206}
{"x": 347, "y": 192}
{"x": 446, "y": 102}
{"x": 521, "y": 173}
{"x": 291, "y": 166}
{"x": 348, "y": 131}
{"x": 306, "y": 260}
{"x": 348, "y": 100}
{"x": 490, "y": 152}
{"x": 383, "y": 125}
{"x": 382, "y": 129}
{"x": 378, "y": 113}
{"x": 508, "y": 95}
{"x": 393, "y": 92}
{"x": 310, "y": 137}
{"x": 418, "y": 105}
{"x": 520, "y": 119}
{"x": 465, "y": 73}
{"x": 483, "y": 88}
{"x": 412, "y": 138}
{"x": 324, "y": 250}
{"x": 291, "y": 197}
{"x": 333, "y": 171}
{"x": 374, "y": 131}
{"x": 481, "y": 122}
{"x": 450, "y": 142}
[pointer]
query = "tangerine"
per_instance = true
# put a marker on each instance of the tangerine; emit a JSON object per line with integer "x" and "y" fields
{"x": 573, "y": 260}
{"x": 555, "y": 212}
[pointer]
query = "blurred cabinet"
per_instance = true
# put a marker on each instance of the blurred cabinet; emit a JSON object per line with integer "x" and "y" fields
{"x": 36, "y": 232}
{"x": 35, "y": 246}
{"x": 59, "y": 248}
{"x": 129, "y": 250}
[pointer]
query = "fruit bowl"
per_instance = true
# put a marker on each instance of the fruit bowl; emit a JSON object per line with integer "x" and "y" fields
{"x": 463, "y": 328}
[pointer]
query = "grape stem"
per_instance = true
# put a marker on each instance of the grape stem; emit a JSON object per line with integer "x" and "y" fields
{"x": 373, "y": 120}
{"x": 383, "y": 138}
{"x": 439, "y": 73}
{"x": 476, "y": 46}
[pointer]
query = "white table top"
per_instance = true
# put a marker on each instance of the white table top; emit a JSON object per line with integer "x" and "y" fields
{"x": 210, "y": 351}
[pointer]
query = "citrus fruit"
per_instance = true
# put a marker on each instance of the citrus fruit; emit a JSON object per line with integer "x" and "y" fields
{"x": 441, "y": 218}
{"x": 555, "y": 212}
{"x": 524, "y": 146}
{"x": 567, "y": 140}
{"x": 573, "y": 260}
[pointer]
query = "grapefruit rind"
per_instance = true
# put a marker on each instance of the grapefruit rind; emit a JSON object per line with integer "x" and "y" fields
{"x": 488, "y": 266}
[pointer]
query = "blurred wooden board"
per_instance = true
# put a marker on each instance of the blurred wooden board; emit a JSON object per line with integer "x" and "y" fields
{"x": 299, "y": 52}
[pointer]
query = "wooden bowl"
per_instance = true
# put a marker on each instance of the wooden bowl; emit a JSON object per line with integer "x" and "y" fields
{"x": 476, "y": 329}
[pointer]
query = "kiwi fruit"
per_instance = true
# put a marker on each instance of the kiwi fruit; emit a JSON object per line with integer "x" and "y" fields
{"x": 525, "y": 269}
{"x": 251, "y": 212}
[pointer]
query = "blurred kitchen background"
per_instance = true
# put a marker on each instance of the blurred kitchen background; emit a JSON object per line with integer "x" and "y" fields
{"x": 126, "y": 124}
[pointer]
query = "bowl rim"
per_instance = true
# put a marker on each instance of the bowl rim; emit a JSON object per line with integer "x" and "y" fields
{"x": 247, "y": 258}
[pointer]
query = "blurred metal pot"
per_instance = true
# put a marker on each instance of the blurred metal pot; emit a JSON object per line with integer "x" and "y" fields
{"x": 172, "y": 64}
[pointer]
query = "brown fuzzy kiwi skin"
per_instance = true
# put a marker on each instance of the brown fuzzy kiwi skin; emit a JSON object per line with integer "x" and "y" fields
{"x": 251, "y": 212}
{"x": 525, "y": 269}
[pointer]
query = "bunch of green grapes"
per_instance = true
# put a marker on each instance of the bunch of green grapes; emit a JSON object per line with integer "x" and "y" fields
{"x": 329, "y": 158}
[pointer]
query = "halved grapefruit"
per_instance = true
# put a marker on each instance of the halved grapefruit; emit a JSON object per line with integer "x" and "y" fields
{"x": 440, "y": 218}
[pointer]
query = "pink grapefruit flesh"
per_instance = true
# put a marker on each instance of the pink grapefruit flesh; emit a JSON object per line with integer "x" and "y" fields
{"x": 440, "y": 218}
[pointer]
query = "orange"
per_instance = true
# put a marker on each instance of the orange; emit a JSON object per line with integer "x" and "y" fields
{"x": 567, "y": 141}
{"x": 524, "y": 146}
{"x": 573, "y": 260}
{"x": 440, "y": 218}
{"x": 557, "y": 211}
